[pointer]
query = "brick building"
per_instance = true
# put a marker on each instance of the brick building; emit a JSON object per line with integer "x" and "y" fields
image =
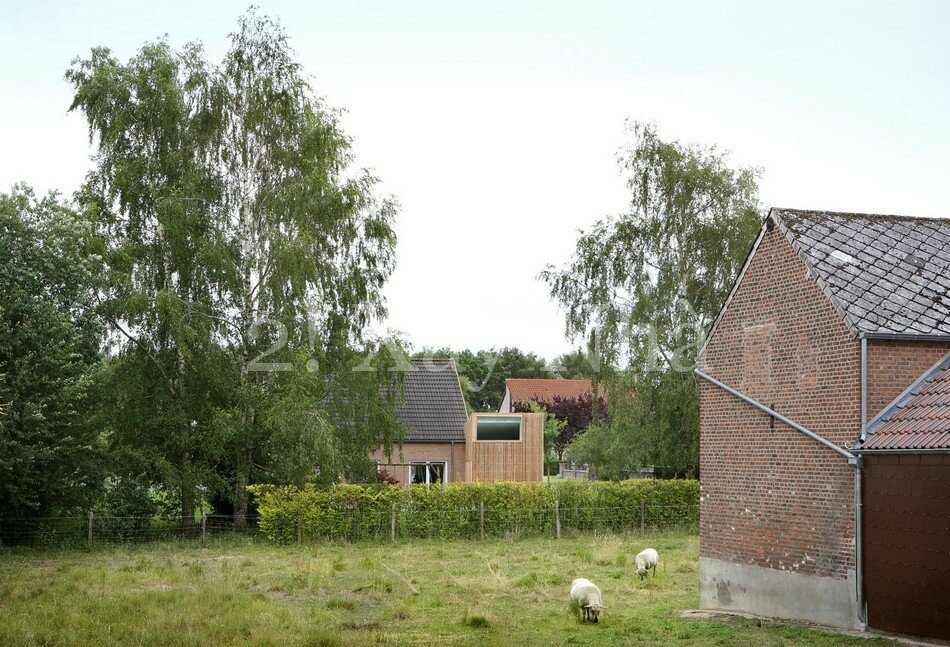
{"x": 835, "y": 321}
{"x": 434, "y": 410}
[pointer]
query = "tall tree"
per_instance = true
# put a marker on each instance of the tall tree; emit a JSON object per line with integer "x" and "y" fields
{"x": 50, "y": 459}
{"x": 232, "y": 217}
{"x": 153, "y": 199}
{"x": 311, "y": 243}
{"x": 646, "y": 285}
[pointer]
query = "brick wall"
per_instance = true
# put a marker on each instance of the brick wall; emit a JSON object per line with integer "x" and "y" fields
{"x": 895, "y": 365}
{"x": 771, "y": 496}
{"x": 412, "y": 452}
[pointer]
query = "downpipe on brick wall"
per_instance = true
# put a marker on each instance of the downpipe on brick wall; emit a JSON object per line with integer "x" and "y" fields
{"x": 854, "y": 460}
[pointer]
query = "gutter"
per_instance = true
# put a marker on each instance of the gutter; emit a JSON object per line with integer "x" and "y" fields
{"x": 854, "y": 460}
{"x": 906, "y": 336}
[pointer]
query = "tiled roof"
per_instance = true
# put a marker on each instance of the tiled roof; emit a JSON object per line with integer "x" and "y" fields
{"x": 434, "y": 407}
{"x": 886, "y": 275}
{"x": 545, "y": 390}
{"x": 919, "y": 418}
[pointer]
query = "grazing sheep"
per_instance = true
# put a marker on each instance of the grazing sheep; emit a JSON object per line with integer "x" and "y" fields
{"x": 647, "y": 559}
{"x": 587, "y": 596}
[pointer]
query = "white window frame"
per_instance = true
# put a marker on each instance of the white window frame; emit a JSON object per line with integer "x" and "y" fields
{"x": 428, "y": 464}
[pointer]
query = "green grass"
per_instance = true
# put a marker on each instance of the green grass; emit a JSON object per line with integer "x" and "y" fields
{"x": 427, "y": 592}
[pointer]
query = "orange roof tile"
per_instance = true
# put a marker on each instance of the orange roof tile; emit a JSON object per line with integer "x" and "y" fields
{"x": 545, "y": 390}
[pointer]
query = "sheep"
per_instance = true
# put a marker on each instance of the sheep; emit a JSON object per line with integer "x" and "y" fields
{"x": 647, "y": 559}
{"x": 587, "y": 596}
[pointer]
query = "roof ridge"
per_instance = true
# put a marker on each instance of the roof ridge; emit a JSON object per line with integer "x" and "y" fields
{"x": 858, "y": 214}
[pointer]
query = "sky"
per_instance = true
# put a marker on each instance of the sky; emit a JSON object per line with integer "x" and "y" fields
{"x": 496, "y": 125}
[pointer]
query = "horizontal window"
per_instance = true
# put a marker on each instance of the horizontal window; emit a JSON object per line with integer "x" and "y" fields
{"x": 498, "y": 428}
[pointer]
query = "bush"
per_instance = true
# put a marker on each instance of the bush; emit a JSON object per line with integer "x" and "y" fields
{"x": 355, "y": 512}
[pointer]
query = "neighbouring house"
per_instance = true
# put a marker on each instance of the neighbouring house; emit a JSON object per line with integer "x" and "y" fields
{"x": 825, "y": 426}
{"x": 541, "y": 390}
{"x": 444, "y": 444}
{"x": 434, "y": 410}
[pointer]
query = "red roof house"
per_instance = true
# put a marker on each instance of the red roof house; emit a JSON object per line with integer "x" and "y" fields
{"x": 541, "y": 390}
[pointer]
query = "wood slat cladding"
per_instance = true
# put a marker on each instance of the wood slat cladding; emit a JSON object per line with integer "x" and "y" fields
{"x": 907, "y": 543}
{"x": 487, "y": 461}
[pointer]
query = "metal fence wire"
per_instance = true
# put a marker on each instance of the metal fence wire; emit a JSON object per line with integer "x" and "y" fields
{"x": 400, "y": 523}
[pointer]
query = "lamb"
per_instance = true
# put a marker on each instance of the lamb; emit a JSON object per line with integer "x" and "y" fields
{"x": 587, "y": 596}
{"x": 647, "y": 559}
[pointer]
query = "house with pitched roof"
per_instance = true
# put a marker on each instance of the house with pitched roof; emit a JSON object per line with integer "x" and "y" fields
{"x": 541, "y": 390}
{"x": 444, "y": 444}
{"x": 825, "y": 426}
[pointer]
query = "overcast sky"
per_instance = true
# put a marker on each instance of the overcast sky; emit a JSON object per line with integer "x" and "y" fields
{"x": 496, "y": 124}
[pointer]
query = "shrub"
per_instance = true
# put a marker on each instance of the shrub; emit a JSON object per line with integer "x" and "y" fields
{"x": 354, "y": 512}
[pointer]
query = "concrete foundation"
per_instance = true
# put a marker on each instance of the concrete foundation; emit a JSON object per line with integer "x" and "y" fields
{"x": 724, "y": 586}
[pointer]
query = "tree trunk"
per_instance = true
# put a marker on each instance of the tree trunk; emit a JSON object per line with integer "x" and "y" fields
{"x": 242, "y": 476}
{"x": 187, "y": 496}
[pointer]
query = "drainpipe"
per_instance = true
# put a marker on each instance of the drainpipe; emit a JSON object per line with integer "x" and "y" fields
{"x": 452, "y": 460}
{"x": 855, "y": 461}
{"x": 858, "y": 494}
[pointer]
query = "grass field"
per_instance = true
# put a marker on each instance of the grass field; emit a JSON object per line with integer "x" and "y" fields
{"x": 446, "y": 593}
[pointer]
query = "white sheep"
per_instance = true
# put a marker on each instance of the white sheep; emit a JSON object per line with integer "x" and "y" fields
{"x": 587, "y": 596}
{"x": 647, "y": 559}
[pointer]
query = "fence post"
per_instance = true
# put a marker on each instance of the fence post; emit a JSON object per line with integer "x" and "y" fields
{"x": 90, "y": 528}
{"x": 643, "y": 514}
{"x": 557, "y": 517}
{"x": 204, "y": 527}
{"x": 392, "y": 524}
{"x": 481, "y": 519}
{"x": 299, "y": 528}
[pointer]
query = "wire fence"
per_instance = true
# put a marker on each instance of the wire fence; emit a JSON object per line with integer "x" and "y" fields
{"x": 400, "y": 523}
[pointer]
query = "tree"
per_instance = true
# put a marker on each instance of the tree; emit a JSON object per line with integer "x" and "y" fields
{"x": 152, "y": 195}
{"x": 645, "y": 287}
{"x": 232, "y": 219}
{"x": 575, "y": 415}
{"x": 50, "y": 458}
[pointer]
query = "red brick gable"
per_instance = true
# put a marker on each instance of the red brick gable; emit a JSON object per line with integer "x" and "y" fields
{"x": 771, "y": 496}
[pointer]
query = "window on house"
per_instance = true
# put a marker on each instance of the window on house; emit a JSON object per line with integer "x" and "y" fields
{"x": 498, "y": 428}
{"x": 427, "y": 473}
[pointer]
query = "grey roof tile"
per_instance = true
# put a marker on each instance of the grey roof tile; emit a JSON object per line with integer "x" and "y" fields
{"x": 889, "y": 274}
{"x": 433, "y": 405}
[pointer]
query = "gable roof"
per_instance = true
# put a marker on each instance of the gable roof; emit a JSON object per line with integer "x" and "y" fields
{"x": 886, "y": 275}
{"x": 919, "y": 418}
{"x": 546, "y": 389}
{"x": 433, "y": 406}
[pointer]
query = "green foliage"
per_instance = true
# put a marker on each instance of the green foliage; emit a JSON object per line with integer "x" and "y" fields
{"x": 644, "y": 288}
{"x": 483, "y": 373}
{"x": 245, "y": 256}
{"x": 355, "y": 512}
{"x": 50, "y": 457}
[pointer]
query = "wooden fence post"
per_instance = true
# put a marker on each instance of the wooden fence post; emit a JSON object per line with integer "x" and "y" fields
{"x": 90, "y": 528}
{"x": 643, "y": 514}
{"x": 204, "y": 527}
{"x": 481, "y": 519}
{"x": 557, "y": 517}
{"x": 392, "y": 524}
{"x": 299, "y": 527}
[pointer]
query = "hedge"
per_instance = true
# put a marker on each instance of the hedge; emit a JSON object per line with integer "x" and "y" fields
{"x": 468, "y": 510}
